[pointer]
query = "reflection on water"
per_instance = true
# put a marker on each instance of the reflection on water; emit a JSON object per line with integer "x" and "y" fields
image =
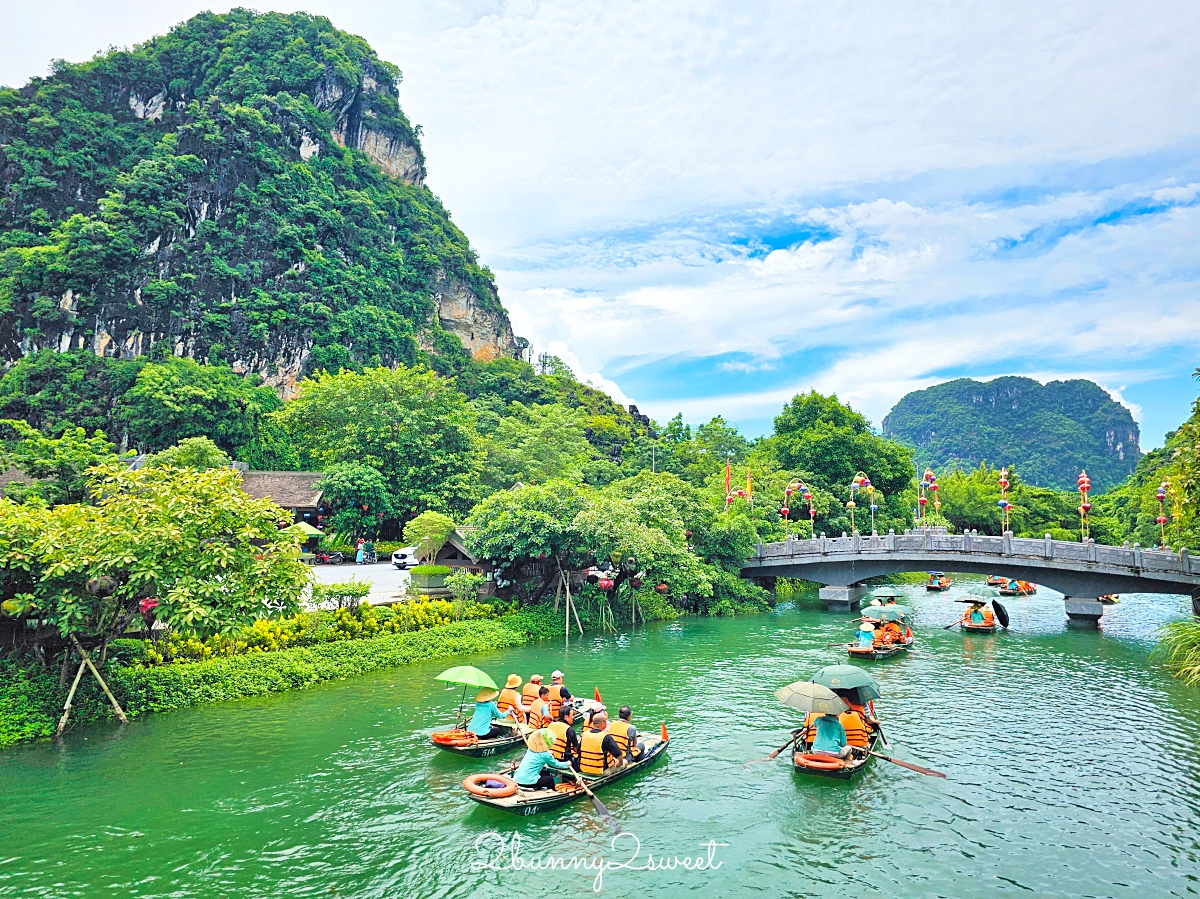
{"x": 1072, "y": 763}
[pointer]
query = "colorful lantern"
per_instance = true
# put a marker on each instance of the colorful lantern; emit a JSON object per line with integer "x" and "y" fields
{"x": 605, "y": 583}
{"x": 661, "y": 588}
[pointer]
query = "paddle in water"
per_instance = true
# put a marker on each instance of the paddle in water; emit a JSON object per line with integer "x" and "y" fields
{"x": 597, "y": 804}
{"x": 929, "y": 772}
{"x": 775, "y": 754}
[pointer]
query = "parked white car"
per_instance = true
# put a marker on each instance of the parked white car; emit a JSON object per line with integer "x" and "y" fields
{"x": 405, "y": 558}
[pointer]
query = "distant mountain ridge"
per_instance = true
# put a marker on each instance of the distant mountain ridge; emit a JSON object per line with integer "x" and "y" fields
{"x": 1049, "y": 432}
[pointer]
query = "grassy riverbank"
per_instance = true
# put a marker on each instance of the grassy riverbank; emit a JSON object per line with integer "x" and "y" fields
{"x": 31, "y": 701}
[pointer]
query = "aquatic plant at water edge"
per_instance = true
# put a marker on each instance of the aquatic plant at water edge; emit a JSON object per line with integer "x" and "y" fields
{"x": 1179, "y": 649}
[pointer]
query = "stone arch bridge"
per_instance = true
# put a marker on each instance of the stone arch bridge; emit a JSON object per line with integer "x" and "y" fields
{"x": 1082, "y": 572}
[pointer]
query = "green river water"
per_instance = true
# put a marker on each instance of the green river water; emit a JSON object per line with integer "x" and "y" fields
{"x": 1073, "y": 769}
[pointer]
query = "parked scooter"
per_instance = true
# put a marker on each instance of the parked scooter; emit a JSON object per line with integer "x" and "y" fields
{"x": 328, "y": 558}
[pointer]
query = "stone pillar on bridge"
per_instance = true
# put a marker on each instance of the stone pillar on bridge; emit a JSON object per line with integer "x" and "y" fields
{"x": 1083, "y": 611}
{"x": 843, "y": 599}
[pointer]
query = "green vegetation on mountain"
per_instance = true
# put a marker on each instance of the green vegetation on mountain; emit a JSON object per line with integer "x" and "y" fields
{"x": 245, "y": 188}
{"x": 1048, "y": 431}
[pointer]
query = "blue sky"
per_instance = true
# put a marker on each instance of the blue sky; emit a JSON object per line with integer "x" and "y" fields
{"x": 708, "y": 207}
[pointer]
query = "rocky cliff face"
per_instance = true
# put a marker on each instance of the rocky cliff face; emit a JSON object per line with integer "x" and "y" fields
{"x": 197, "y": 191}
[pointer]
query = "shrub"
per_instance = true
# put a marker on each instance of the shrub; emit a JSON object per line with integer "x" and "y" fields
{"x": 1179, "y": 649}
{"x": 344, "y": 595}
{"x": 431, "y": 569}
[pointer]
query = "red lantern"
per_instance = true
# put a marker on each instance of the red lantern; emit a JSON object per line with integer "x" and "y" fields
{"x": 147, "y": 605}
{"x": 933, "y": 486}
{"x": 687, "y": 533}
{"x": 1086, "y": 507}
{"x": 785, "y": 511}
{"x": 661, "y": 588}
{"x": 788, "y": 492}
{"x": 635, "y": 582}
{"x": 1162, "y": 519}
{"x": 605, "y": 583}
{"x": 922, "y": 500}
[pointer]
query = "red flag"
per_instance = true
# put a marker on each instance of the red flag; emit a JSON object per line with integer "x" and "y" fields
{"x": 598, "y": 699}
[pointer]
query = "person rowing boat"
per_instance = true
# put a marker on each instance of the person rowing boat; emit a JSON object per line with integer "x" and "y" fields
{"x": 537, "y": 767}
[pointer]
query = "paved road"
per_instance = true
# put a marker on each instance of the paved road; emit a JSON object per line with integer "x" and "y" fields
{"x": 387, "y": 580}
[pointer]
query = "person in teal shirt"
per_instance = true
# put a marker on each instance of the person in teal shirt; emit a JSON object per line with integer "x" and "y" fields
{"x": 486, "y": 711}
{"x": 531, "y": 774}
{"x": 830, "y": 738}
{"x": 976, "y": 614}
{"x": 866, "y": 635}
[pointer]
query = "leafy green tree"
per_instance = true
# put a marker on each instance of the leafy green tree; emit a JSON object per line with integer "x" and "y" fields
{"x": 59, "y": 466}
{"x": 407, "y": 423}
{"x": 535, "y": 521}
{"x": 188, "y": 546}
{"x": 178, "y": 398}
{"x": 535, "y": 444}
{"x": 199, "y": 453}
{"x": 52, "y": 390}
{"x": 360, "y": 497}
{"x": 428, "y": 533}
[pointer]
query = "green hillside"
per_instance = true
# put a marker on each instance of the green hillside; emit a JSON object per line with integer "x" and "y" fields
{"x": 245, "y": 189}
{"x": 1048, "y": 431}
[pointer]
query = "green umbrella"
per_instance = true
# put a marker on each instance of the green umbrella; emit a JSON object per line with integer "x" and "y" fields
{"x": 886, "y": 613}
{"x": 468, "y": 676}
{"x": 306, "y": 529}
{"x": 810, "y": 697}
{"x": 848, "y": 677}
{"x": 887, "y": 593}
{"x": 983, "y": 591}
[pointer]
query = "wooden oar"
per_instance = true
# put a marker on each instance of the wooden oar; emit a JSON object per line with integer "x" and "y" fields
{"x": 952, "y": 624}
{"x": 775, "y": 754}
{"x": 596, "y": 803}
{"x": 909, "y": 765}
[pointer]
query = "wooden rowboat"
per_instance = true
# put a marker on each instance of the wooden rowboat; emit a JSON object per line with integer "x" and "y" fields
{"x": 875, "y": 653}
{"x": 937, "y": 582}
{"x": 979, "y": 628}
{"x": 827, "y": 766}
{"x": 460, "y": 742}
{"x": 532, "y": 802}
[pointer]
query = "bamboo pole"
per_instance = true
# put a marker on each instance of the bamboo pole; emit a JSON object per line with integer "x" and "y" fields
{"x": 103, "y": 686}
{"x": 62, "y": 722}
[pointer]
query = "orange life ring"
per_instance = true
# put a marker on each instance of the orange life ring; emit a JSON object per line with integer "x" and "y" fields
{"x": 821, "y": 762}
{"x": 478, "y": 785}
{"x": 454, "y": 738}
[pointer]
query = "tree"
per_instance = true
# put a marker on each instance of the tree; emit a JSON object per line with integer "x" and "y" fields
{"x": 531, "y": 522}
{"x": 535, "y": 444}
{"x": 175, "y": 399}
{"x": 199, "y": 453}
{"x": 407, "y": 423}
{"x": 58, "y": 465}
{"x": 360, "y": 497}
{"x": 188, "y": 546}
{"x": 428, "y": 533}
{"x": 52, "y": 390}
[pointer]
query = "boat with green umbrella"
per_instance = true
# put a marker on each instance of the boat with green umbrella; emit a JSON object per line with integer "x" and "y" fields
{"x": 886, "y": 642}
{"x": 815, "y": 700}
{"x": 458, "y": 739}
{"x": 984, "y": 612}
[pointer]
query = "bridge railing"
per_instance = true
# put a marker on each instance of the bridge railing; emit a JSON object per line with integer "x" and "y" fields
{"x": 970, "y": 542}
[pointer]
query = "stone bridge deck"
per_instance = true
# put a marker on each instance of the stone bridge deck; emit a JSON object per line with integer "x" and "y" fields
{"x": 1080, "y": 571}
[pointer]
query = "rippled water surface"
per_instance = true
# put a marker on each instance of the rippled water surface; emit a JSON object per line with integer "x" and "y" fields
{"x": 1072, "y": 761}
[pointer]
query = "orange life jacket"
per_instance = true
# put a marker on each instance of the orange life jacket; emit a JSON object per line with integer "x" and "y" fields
{"x": 810, "y": 728}
{"x": 559, "y": 749}
{"x": 529, "y": 693}
{"x": 856, "y": 730}
{"x": 591, "y": 753}
{"x": 555, "y": 699}
{"x": 539, "y": 712}
{"x": 989, "y": 616}
{"x": 510, "y": 699}
{"x": 620, "y": 732}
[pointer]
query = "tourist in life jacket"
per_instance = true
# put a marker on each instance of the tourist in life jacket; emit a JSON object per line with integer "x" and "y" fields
{"x": 566, "y": 740}
{"x": 892, "y": 633}
{"x": 539, "y": 709}
{"x": 486, "y": 712}
{"x": 626, "y": 735}
{"x": 531, "y": 690}
{"x": 596, "y": 747}
{"x": 532, "y": 773}
{"x": 978, "y": 614}
{"x": 866, "y": 635}
{"x": 559, "y": 694}
{"x": 829, "y": 737}
{"x": 510, "y": 699}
